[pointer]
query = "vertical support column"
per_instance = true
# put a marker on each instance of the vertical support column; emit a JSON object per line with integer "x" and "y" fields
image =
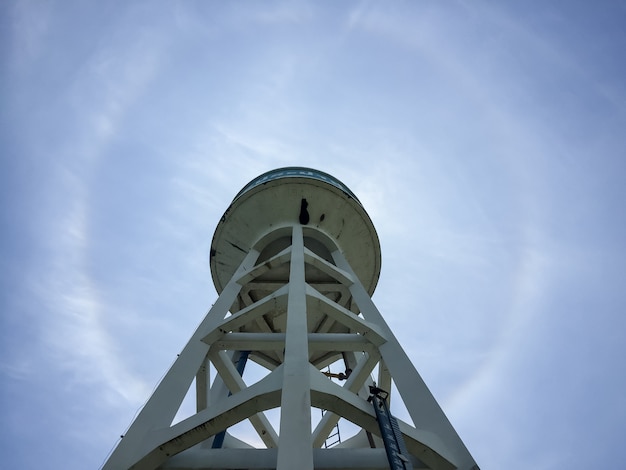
{"x": 295, "y": 449}
{"x": 203, "y": 385}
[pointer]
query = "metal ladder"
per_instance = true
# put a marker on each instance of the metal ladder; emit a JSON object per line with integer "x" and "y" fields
{"x": 397, "y": 455}
{"x": 334, "y": 437}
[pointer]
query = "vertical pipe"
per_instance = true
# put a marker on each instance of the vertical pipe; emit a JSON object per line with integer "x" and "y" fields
{"x": 218, "y": 440}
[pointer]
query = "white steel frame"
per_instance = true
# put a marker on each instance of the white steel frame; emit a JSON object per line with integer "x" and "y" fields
{"x": 293, "y": 383}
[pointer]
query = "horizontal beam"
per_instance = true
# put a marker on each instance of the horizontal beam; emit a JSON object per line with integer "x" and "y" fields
{"x": 262, "y": 459}
{"x": 276, "y": 341}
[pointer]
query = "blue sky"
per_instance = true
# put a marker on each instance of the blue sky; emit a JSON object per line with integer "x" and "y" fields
{"x": 485, "y": 139}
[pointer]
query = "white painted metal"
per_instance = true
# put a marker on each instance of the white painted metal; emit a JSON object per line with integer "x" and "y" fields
{"x": 295, "y": 418}
{"x": 297, "y": 296}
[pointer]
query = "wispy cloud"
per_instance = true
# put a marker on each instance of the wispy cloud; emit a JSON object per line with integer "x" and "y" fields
{"x": 100, "y": 94}
{"x": 110, "y": 83}
{"x": 475, "y": 139}
{"x": 79, "y": 339}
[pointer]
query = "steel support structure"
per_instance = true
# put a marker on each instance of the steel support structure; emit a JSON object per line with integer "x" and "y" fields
{"x": 293, "y": 302}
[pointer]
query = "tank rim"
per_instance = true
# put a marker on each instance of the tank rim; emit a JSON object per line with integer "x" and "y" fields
{"x": 296, "y": 172}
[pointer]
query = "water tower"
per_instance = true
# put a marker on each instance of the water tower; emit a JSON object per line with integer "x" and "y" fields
{"x": 295, "y": 260}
